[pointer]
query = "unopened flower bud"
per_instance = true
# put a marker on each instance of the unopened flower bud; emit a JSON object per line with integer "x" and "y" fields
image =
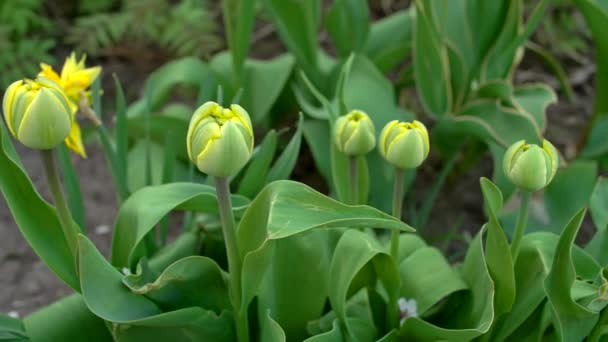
{"x": 220, "y": 140}
{"x": 404, "y": 144}
{"x": 37, "y": 113}
{"x": 355, "y": 134}
{"x": 529, "y": 166}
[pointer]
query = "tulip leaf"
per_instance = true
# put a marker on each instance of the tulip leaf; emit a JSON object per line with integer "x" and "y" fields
{"x": 334, "y": 335}
{"x": 286, "y": 162}
{"x": 271, "y": 330}
{"x": 238, "y": 20}
{"x": 185, "y": 71}
{"x": 598, "y": 203}
{"x": 347, "y": 22}
{"x": 262, "y": 82}
{"x": 42, "y": 231}
{"x": 431, "y": 64}
{"x": 12, "y": 329}
{"x": 427, "y": 277}
{"x": 72, "y": 185}
{"x": 253, "y": 180}
{"x": 272, "y": 225}
{"x": 297, "y": 23}
{"x": 390, "y": 39}
{"x": 359, "y": 253}
{"x": 191, "y": 281}
{"x": 191, "y": 324}
{"x": 473, "y": 309}
{"x": 498, "y": 250}
{"x": 573, "y": 321}
{"x": 596, "y": 15}
{"x": 65, "y": 320}
{"x": 103, "y": 290}
{"x": 284, "y": 276}
{"x": 145, "y": 208}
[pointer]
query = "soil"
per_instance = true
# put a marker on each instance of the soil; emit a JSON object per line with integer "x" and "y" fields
{"x": 26, "y": 284}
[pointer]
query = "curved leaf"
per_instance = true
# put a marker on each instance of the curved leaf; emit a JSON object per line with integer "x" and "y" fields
{"x": 146, "y": 207}
{"x": 42, "y": 231}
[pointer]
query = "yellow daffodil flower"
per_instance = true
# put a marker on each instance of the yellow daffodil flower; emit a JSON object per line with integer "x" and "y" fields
{"x": 75, "y": 79}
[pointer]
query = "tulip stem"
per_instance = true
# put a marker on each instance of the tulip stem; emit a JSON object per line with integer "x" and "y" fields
{"x": 61, "y": 205}
{"x": 353, "y": 173}
{"x": 224, "y": 201}
{"x": 397, "y": 207}
{"x": 522, "y": 220}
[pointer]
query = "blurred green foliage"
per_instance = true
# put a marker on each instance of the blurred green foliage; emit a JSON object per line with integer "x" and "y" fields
{"x": 24, "y": 39}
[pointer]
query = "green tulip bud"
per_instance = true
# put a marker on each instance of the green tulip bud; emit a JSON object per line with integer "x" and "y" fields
{"x": 355, "y": 134}
{"x": 220, "y": 140}
{"x": 37, "y": 113}
{"x": 529, "y": 166}
{"x": 404, "y": 144}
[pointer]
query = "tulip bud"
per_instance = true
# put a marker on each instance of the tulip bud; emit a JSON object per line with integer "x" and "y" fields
{"x": 529, "y": 166}
{"x": 220, "y": 140}
{"x": 37, "y": 113}
{"x": 355, "y": 134}
{"x": 404, "y": 144}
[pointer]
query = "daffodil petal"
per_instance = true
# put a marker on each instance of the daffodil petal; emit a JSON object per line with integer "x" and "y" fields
{"x": 74, "y": 140}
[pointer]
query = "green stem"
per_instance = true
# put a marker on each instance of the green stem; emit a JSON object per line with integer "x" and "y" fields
{"x": 393, "y": 312}
{"x": 63, "y": 211}
{"x": 353, "y": 175}
{"x": 234, "y": 260}
{"x": 522, "y": 220}
{"x": 397, "y": 207}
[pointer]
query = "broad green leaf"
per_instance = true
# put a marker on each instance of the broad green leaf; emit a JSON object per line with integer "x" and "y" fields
{"x": 483, "y": 28}
{"x": 189, "y": 325}
{"x": 175, "y": 119}
{"x": 390, "y": 39}
{"x": 532, "y": 267}
{"x": 573, "y": 321}
{"x": 103, "y": 291}
{"x": 297, "y": 23}
{"x": 262, "y": 82}
{"x": 12, "y": 329}
{"x": 354, "y": 252}
{"x": 191, "y": 281}
{"x": 271, "y": 330}
{"x": 146, "y": 207}
{"x": 254, "y": 175}
{"x": 427, "y": 277}
{"x": 597, "y": 145}
{"x": 334, "y": 335}
{"x": 286, "y": 209}
{"x": 596, "y": 14}
{"x": 498, "y": 251}
{"x": 498, "y": 61}
{"x": 598, "y": 246}
{"x": 284, "y": 165}
{"x": 185, "y": 245}
{"x": 238, "y": 21}
{"x": 472, "y": 311}
{"x": 299, "y": 264}
{"x": 42, "y": 231}
{"x": 186, "y": 71}
{"x": 533, "y": 99}
{"x": 347, "y": 22}
{"x": 317, "y": 135}
{"x": 65, "y": 320}
{"x": 431, "y": 64}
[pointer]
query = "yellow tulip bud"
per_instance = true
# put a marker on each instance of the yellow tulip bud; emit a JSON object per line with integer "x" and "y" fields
{"x": 220, "y": 140}
{"x": 355, "y": 134}
{"x": 37, "y": 113}
{"x": 529, "y": 166}
{"x": 404, "y": 144}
